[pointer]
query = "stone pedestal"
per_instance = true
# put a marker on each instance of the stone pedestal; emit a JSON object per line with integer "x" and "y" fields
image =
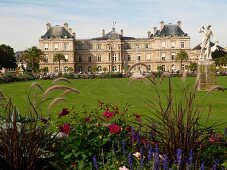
{"x": 206, "y": 73}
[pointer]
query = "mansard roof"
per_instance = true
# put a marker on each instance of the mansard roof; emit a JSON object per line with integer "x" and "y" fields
{"x": 57, "y": 32}
{"x": 169, "y": 30}
{"x": 198, "y": 47}
{"x": 112, "y": 35}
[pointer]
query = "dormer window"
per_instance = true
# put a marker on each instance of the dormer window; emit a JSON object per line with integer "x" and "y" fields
{"x": 46, "y": 46}
{"x": 163, "y": 44}
{"x": 56, "y": 46}
{"x": 181, "y": 44}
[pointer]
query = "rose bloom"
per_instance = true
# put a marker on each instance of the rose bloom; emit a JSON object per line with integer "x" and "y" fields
{"x": 63, "y": 112}
{"x": 108, "y": 114}
{"x": 115, "y": 129}
{"x": 65, "y": 128}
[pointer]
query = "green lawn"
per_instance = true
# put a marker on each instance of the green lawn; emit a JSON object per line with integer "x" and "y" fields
{"x": 119, "y": 92}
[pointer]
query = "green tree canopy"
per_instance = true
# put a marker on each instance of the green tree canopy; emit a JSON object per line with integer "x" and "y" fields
{"x": 33, "y": 56}
{"x": 58, "y": 58}
{"x": 7, "y": 57}
{"x": 182, "y": 56}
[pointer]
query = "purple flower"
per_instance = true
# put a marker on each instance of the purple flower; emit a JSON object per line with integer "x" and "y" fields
{"x": 179, "y": 155}
{"x": 156, "y": 158}
{"x": 95, "y": 164}
{"x": 202, "y": 167}
{"x": 123, "y": 146}
{"x": 165, "y": 162}
{"x": 130, "y": 161}
{"x": 190, "y": 159}
{"x": 141, "y": 158}
{"x": 150, "y": 154}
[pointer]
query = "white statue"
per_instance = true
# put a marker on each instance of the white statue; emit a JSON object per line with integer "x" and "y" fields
{"x": 205, "y": 45}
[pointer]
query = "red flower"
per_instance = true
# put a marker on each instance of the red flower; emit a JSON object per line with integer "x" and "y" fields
{"x": 88, "y": 119}
{"x": 138, "y": 117}
{"x": 65, "y": 128}
{"x": 108, "y": 114}
{"x": 115, "y": 129}
{"x": 63, "y": 112}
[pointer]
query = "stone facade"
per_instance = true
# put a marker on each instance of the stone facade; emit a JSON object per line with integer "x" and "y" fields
{"x": 114, "y": 51}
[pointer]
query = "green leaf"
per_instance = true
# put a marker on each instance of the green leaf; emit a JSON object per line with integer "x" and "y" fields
{"x": 68, "y": 156}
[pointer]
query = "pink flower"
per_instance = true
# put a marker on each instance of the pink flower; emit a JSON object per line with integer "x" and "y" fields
{"x": 108, "y": 114}
{"x": 123, "y": 168}
{"x": 65, "y": 128}
{"x": 63, "y": 112}
{"x": 115, "y": 129}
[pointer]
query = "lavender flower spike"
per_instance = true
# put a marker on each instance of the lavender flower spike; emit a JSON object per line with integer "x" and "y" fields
{"x": 165, "y": 162}
{"x": 130, "y": 161}
{"x": 94, "y": 160}
{"x": 202, "y": 167}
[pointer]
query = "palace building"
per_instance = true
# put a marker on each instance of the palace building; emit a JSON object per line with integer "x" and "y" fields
{"x": 113, "y": 51}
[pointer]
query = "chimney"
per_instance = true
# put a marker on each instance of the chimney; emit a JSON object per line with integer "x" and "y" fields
{"x": 48, "y": 26}
{"x": 155, "y": 29}
{"x": 161, "y": 25}
{"x": 66, "y": 25}
{"x": 149, "y": 34}
{"x": 122, "y": 32}
{"x": 179, "y": 23}
{"x": 74, "y": 34}
{"x": 103, "y": 32}
{"x": 70, "y": 31}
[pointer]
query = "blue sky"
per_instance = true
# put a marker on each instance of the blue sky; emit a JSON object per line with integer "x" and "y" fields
{"x": 24, "y": 21}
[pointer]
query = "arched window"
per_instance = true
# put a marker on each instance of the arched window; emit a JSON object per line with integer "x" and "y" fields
{"x": 148, "y": 67}
{"x": 99, "y": 68}
{"x": 89, "y": 69}
{"x": 55, "y": 69}
{"x": 66, "y": 69}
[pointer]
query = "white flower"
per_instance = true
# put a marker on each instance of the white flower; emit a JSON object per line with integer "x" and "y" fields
{"x": 123, "y": 168}
{"x": 137, "y": 155}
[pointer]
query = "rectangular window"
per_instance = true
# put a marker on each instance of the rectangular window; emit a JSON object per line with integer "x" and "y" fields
{"x": 163, "y": 44}
{"x": 99, "y": 47}
{"x": 173, "y": 56}
{"x": 148, "y": 57}
{"x": 99, "y": 58}
{"x": 46, "y": 58}
{"x": 66, "y": 46}
{"x": 56, "y": 46}
{"x": 66, "y": 57}
{"x": 129, "y": 58}
{"x": 139, "y": 58}
{"x": 89, "y": 58}
{"x": 79, "y": 58}
{"x": 163, "y": 57}
{"x": 146, "y": 46}
{"x": 163, "y": 67}
{"x": 173, "y": 44}
{"x": 114, "y": 57}
{"x": 46, "y": 46}
{"x": 182, "y": 44}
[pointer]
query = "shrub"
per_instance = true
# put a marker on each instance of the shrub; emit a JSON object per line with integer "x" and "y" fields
{"x": 176, "y": 126}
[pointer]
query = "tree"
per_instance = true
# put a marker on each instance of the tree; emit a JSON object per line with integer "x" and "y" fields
{"x": 104, "y": 69}
{"x": 182, "y": 56}
{"x": 160, "y": 68}
{"x": 33, "y": 56}
{"x": 193, "y": 66}
{"x": 7, "y": 57}
{"x": 57, "y": 58}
